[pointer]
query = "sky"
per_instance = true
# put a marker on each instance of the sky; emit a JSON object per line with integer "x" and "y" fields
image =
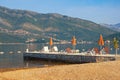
{"x": 99, "y": 11}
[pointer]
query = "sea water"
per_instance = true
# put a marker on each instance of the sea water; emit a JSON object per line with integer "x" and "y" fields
{"x": 11, "y": 55}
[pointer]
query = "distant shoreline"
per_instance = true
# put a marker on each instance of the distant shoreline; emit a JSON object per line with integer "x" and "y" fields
{"x": 10, "y": 43}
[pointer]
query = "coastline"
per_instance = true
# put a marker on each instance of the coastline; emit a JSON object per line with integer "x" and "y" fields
{"x": 90, "y": 71}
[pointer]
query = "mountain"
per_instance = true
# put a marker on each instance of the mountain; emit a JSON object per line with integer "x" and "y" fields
{"x": 6, "y": 38}
{"x": 115, "y": 27}
{"x": 28, "y": 24}
{"x": 112, "y": 36}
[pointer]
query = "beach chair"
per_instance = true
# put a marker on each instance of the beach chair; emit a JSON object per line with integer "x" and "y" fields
{"x": 55, "y": 49}
{"x": 45, "y": 49}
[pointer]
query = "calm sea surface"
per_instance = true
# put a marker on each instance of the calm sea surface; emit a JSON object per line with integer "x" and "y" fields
{"x": 13, "y": 54}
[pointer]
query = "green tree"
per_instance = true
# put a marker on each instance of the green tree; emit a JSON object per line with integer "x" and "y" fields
{"x": 115, "y": 42}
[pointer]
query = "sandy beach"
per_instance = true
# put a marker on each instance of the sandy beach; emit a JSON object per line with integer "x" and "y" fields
{"x": 89, "y": 71}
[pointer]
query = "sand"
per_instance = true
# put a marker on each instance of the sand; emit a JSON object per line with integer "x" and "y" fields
{"x": 89, "y": 71}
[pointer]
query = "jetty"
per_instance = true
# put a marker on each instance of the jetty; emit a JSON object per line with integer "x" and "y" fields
{"x": 71, "y": 57}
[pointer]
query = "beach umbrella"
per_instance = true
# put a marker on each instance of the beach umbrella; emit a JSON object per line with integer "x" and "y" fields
{"x": 115, "y": 43}
{"x": 101, "y": 41}
{"x": 73, "y": 42}
{"x": 50, "y": 43}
